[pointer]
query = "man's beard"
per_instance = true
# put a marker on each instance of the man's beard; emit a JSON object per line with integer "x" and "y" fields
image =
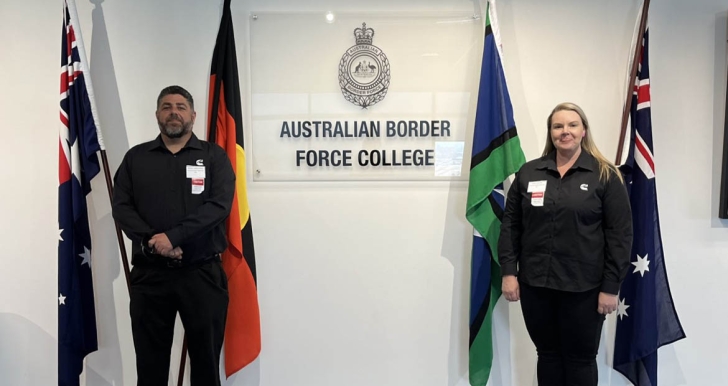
{"x": 175, "y": 132}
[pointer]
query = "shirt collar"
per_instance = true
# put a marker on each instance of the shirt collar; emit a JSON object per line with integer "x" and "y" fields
{"x": 585, "y": 161}
{"x": 193, "y": 143}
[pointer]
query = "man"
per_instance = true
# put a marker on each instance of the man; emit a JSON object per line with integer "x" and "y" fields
{"x": 171, "y": 198}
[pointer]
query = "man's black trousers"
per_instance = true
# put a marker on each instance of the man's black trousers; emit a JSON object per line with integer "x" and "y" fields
{"x": 199, "y": 293}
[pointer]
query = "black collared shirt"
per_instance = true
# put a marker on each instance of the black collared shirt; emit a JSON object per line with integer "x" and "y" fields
{"x": 155, "y": 192}
{"x": 574, "y": 237}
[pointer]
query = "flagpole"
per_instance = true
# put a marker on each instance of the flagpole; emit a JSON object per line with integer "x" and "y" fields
{"x": 632, "y": 76}
{"x": 104, "y": 159}
{"x": 119, "y": 236}
{"x": 182, "y": 361}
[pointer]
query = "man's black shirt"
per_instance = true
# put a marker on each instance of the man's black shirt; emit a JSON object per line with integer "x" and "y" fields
{"x": 575, "y": 236}
{"x": 156, "y": 191}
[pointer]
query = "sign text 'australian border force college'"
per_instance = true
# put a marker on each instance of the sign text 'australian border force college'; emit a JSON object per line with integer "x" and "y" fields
{"x": 365, "y": 129}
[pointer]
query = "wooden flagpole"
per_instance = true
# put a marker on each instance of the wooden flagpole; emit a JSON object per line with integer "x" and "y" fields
{"x": 632, "y": 76}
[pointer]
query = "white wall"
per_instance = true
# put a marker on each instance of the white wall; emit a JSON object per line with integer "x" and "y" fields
{"x": 360, "y": 283}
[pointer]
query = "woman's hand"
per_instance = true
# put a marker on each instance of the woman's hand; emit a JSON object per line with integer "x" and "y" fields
{"x": 511, "y": 289}
{"x": 607, "y": 303}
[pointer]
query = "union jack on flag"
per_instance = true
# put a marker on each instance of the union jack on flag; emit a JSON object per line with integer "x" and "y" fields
{"x": 646, "y": 316}
{"x": 78, "y": 163}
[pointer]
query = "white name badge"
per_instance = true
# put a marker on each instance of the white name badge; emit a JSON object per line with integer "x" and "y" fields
{"x": 537, "y": 198}
{"x": 198, "y": 185}
{"x": 536, "y": 186}
{"x": 195, "y": 171}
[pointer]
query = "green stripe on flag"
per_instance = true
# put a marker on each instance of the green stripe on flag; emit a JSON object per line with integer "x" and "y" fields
{"x": 502, "y": 162}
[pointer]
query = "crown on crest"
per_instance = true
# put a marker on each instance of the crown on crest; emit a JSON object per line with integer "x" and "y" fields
{"x": 364, "y": 35}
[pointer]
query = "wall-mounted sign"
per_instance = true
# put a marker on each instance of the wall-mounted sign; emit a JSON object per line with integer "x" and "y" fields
{"x": 318, "y": 115}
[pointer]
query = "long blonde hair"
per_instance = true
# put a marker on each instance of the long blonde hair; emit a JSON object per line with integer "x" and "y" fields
{"x": 605, "y": 166}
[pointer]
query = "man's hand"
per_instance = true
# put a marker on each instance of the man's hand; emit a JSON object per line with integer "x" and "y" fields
{"x": 175, "y": 254}
{"x": 161, "y": 245}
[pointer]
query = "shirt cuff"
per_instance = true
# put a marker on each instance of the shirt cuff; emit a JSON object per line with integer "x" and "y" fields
{"x": 175, "y": 237}
{"x": 611, "y": 287}
{"x": 509, "y": 269}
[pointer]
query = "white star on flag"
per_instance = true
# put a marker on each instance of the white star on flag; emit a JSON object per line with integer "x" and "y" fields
{"x": 60, "y": 233}
{"x": 642, "y": 265}
{"x": 622, "y": 309}
{"x": 61, "y": 299}
{"x": 86, "y": 255}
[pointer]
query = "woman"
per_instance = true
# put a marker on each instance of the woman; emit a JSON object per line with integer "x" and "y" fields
{"x": 564, "y": 248}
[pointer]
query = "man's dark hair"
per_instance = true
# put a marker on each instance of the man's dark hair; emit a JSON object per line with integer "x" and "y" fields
{"x": 176, "y": 90}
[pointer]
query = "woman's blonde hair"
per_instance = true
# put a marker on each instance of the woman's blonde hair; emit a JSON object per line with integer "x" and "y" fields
{"x": 605, "y": 166}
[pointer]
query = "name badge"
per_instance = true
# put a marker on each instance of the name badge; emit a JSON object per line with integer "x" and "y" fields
{"x": 198, "y": 185}
{"x": 537, "y": 190}
{"x": 195, "y": 171}
{"x": 536, "y": 186}
{"x": 537, "y": 198}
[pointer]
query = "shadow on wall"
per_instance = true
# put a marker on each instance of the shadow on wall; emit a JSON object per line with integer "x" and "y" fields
{"x": 106, "y": 366}
{"x": 719, "y": 115}
{"x": 106, "y": 89}
{"x": 27, "y": 352}
{"x": 248, "y": 376}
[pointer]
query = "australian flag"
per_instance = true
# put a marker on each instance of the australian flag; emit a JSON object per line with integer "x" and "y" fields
{"x": 77, "y": 164}
{"x": 646, "y": 316}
